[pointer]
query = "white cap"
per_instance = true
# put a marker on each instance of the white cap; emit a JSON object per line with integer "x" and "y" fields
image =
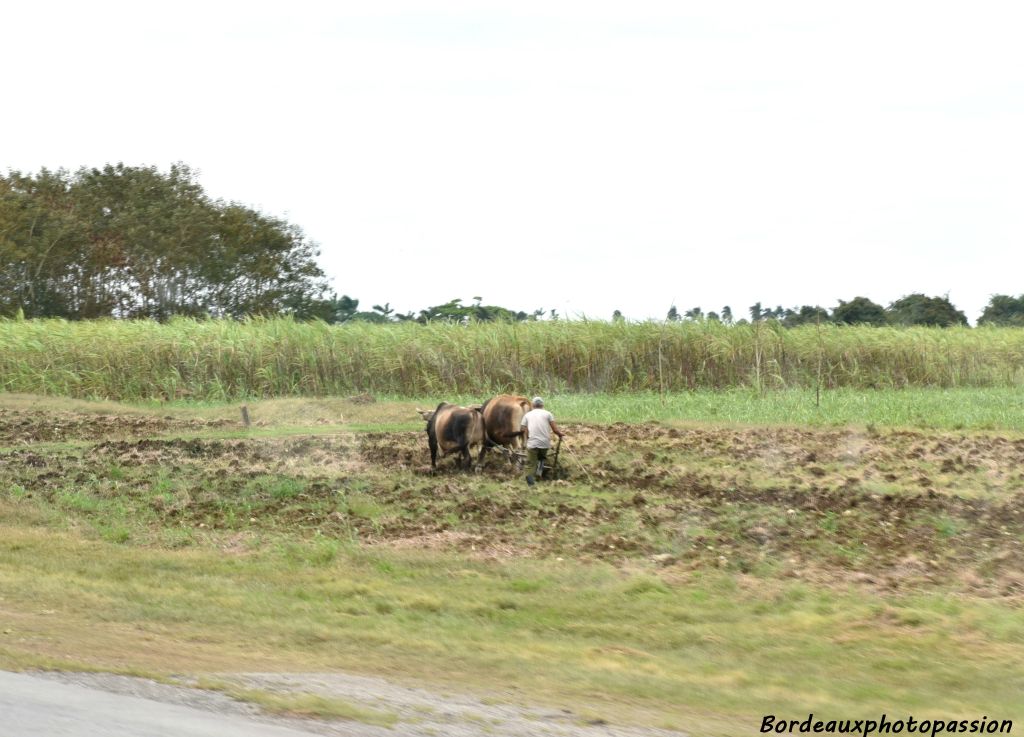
{"x": 538, "y": 402}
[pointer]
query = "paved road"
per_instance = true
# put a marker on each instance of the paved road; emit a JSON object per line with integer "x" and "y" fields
{"x": 37, "y": 707}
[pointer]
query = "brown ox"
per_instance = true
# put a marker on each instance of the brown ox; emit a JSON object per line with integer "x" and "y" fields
{"x": 503, "y": 416}
{"x": 451, "y": 428}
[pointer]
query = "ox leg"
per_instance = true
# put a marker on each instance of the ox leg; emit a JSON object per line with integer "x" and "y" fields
{"x": 433, "y": 453}
{"x": 518, "y": 445}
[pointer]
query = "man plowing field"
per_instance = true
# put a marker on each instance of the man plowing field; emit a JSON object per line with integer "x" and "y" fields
{"x": 538, "y": 424}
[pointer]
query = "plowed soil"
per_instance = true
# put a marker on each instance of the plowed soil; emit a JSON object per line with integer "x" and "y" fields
{"x": 889, "y": 509}
{"x": 22, "y": 427}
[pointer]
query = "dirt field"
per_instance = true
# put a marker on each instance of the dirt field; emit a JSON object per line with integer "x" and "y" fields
{"x": 886, "y": 509}
{"x": 682, "y": 576}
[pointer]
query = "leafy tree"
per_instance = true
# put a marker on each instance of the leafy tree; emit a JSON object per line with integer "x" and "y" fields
{"x": 267, "y": 263}
{"x": 617, "y": 316}
{"x": 804, "y": 315}
{"x": 767, "y": 313}
{"x": 713, "y": 317}
{"x": 332, "y": 309}
{"x": 128, "y": 241}
{"x": 756, "y": 314}
{"x": 695, "y": 314}
{"x": 372, "y": 316}
{"x": 1003, "y": 310}
{"x": 493, "y": 313}
{"x": 673, "y": 314}
{"x": 455, "y": 311}
{"x": 451, "y": 311}
{"x": 727, "y": 315}
{"x": 859, "y": 310}
{"x": 918, "y": 309}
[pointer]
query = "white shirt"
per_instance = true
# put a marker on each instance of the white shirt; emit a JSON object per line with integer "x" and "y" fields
{"x": 538, "y": 423}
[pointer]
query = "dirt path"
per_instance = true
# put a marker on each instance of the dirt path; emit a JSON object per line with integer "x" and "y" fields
{"x": 421, "y": 713}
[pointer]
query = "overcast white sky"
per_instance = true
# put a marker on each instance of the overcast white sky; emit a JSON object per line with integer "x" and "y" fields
{"x": 584, "y": 156}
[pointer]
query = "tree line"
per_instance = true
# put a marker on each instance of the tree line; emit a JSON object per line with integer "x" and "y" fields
{"x": 135, "y": 242}
{"x": 912, "y": 309}
{"x": 336, "y": 310}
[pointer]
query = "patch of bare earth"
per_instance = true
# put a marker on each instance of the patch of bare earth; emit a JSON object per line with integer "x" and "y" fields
{"x": 476, "y": 546}
{"x": 21, "y": 427}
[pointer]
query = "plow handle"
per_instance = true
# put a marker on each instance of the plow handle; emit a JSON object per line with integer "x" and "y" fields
{"x": 558, "y": 449}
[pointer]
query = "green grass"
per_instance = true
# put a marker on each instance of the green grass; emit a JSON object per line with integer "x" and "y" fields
{"x": 964, "y": 408}
{"x": 708, "y": 647}
{"x": 951, "y": 409}
{"x": 971, "y": 408}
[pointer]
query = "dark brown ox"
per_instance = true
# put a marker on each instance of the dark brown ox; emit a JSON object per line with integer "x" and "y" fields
{"x": 503, "y": 416}
{"x": 452, "y": 428}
